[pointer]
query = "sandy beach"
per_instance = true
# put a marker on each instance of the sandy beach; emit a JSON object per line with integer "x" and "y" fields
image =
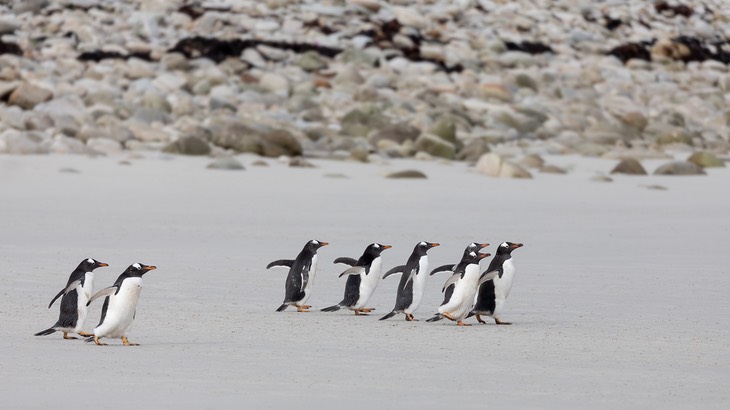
{"x": 620, "y": 297}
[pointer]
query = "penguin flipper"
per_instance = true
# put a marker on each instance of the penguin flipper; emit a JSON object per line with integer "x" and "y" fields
{"x": 345, "y": 260}
{"x": 355, "y": 270}
{"x": 71, "y": 286}
{"x": 436, "y": 318}
{"x": 396, "y": 270}
{"x": 443, "y": 268}
{"x": 487, "y": 276}
{"x": 388, "y": 316}
{"x": 281, "y": 262}
{"x": 45, "y": 332}
{"x": 451, "y": 280}
{"x": 104, "y": 292}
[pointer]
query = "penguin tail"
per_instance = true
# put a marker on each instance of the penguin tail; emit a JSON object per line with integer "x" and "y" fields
{"x": 89, "y": 339}
{"x": 333, "y": 308}
{"x": 436, "y": 318}
{"x": 472, "y": 313}
{"x": 45, "y": 332}
{"x": 282, "y": 307}
{"x": 388, "y": 316}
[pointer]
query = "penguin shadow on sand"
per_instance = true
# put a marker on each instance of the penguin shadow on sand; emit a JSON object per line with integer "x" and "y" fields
{"x": 118, "y": 310}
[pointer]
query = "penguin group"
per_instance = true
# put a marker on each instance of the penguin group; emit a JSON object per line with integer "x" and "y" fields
{"x": 117, "y": 312}
{"x": 467, "y": 292}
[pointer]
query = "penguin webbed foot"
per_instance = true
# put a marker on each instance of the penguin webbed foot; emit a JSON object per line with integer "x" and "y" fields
{"x": 98, "y": 342}
{"x": 479, "y": 319}
{"x": 84, "y": 334}
{"x": 303, "y": 309}
{"x": 126, "y": 342}
{"x": 67, "y": 337}
{"x": 460, "y": 323}
{"x": 410, "y": 318}
{"x": 499, "y": 322}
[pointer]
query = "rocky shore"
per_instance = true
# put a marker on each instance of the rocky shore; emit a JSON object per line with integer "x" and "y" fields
{"x": 493, "y": 82}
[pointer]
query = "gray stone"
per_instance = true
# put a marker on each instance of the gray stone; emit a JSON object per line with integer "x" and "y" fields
{"x": 188, "y": 146}
{"x": 27, "y": 96}
{"x": 146, "y": 115}
{"x": 105, "y": 146}
{"x": 679, "y": 168}
{"x": 399, "y": 132}
{"x": 435, "y": 146}
{"x": 277, "y": 142}
{"x": 444, "y": 128}
{"x": 62, "y": 144}
{"x": 232, "y": 133}
{"x": 407, "y": 174}
{"x": 357, "y": 56}
{"x": 275, "y": 83}
{"x": 525, "y": 81}
{"x": 601, "y": 178}
{"x": 8, "y": 25}
{"x": 29, "y": 6}
{"x": 629, "y": 166}
{"x": 706, "y": 159}
{"x": 7, "y": 87}
{"x": 473, "y": 150}
{"x": 17, "y": 142}
{"x": 300, "y": 162}
{"x": 360, "y": 121}
{"x": 495, "y": 166}
{"x": 532, "y": 161}
{"x": 226, "y": 163}
{"x": 311, "y": 61}
{"x": 511, "y": 170}
{"x": 552, "y": 169}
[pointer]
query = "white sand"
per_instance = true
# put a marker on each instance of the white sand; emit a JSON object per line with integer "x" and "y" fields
{"x": 621, "y": 297}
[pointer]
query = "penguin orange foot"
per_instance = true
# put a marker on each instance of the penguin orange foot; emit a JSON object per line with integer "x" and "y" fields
{"x": 479, "y": 319}
{"x": 67, "y": 337}
{"x": 460, "y": 323}
{"x": 302, "y": 309}
{"x": 98, "y": 342}
{"x": 84, "y": 334}
{"x": 126, "y": 342}
{"x": 499, "y": 322}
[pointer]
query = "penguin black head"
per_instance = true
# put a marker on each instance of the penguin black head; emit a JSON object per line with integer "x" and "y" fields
{"x": 474, "y": 257}
{"x": 139, "y": 269}
{"x": 423, "y": 247}
{"x": 314, "y": 244}
{"x": 508, "y": 247}
{"x": 88, "y": 265}
{"x": 475, "y": 247}
{"x": 375, "y": 249}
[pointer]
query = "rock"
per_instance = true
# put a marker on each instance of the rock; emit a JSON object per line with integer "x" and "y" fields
{"x": 435, "y": 146}
{"x": 7, "y": 87}
{"x": 409, "y": 16}
{"x": 629, "y": 166}
{"x": 532, "y": 161}
{"x": 407, "y": 174}
{"x": 360, "y": 121}
{"x": 275, "y": 83}
{"x": 523, "y": 80}
{"x": 473, "y": 150}
{"x": 300, "y": 163}
{"x": 145, "y": 133}
{"x": 552, "y": 169}
{"x": 311, "y": 61}
{"x": 8, "y": 26}
{"x": 12, "y": 116}
{"x": 17, "y": 142}
{"x": 226, "y": 163}
{"x": 62, "y": 144}
{"x": 260, "y": 163}
{"x": 105, "y": 146}
{"x": 277, "y": 142}
{"x": 706, "y": 159}
{"x": 655, "y": 187}
{"x": 679, "y": 168}
{"x": 495, "y": 92}
{"x": 669, "y": 134}
{"x": 601, "y": 178}
{"x": 188, "y": 146}
{"x": 493, "y": 165}
{"x": 29, "y": 6}
{"x": 27, "y": 96}
{"x": 444, "y": 128}
{"x": 232, "y": 133}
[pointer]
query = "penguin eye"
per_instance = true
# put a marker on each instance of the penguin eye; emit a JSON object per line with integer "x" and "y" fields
{"x": 136, "y": 266}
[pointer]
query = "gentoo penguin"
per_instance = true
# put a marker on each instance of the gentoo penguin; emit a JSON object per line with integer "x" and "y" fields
{"x": 448, "y": 288}
{"x": 493, "y": 293}
{"x": 74, "y": 296}
{"x": 412, "y": 283}
{"x": 362, "y": 279}
{"x": 120, "y": 305}
{"x": 301, "y": 276}
{"x": 466, "y": 280}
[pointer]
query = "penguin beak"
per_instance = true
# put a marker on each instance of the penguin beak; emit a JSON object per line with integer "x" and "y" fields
{"x": 149, "y": 267}
{"x": 484, "y": 255}
{"x": 102, "y": 264}
{"x": 387, "y": 246}
{"x": 434, "y": 244}
{"x": 517, "y": 245}
{"x": 323, "y": 243}
{"x": 483, "y": 245}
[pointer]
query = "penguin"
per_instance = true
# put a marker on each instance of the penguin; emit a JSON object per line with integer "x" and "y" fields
{"x": 120, "y": 305}
{"x": 298, "y": 286}
{"x": 74, "y": 296}
{"x": 495, "y": 284}
{"x": 466, "y": 280}
{"x": 448, "y": 288}
{"x": 412, "y": 283}
{"x": 362, "y": 279}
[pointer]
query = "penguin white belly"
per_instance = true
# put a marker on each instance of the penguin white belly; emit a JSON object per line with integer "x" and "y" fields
{"x": 462, "y": 300}
{"x": 121, "y": 309}
{"x": 308, "y": 286}
{"x": 84, "y": 294}
{"x": 419, "y": 285}
{"x": 503, "y": 286}
{"x": 369, "y": 282}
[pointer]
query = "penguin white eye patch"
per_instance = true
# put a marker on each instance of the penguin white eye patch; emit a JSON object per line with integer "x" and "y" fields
{"x": 137, "y": 266}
